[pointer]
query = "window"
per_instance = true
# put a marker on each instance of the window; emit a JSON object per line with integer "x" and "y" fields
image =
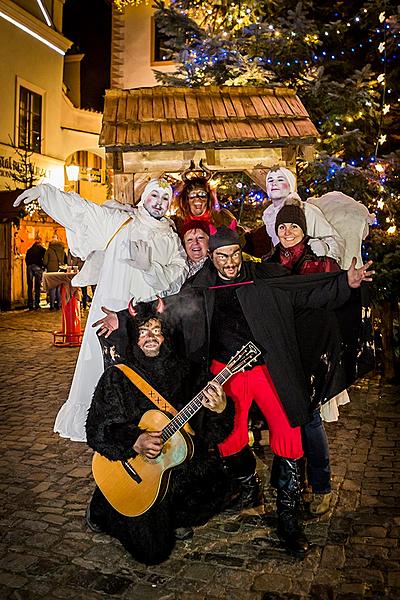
{"x": 161, "y": 53}
{"x": 30, "y": 120}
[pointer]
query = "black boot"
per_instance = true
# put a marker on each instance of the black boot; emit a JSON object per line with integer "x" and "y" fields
{"x": 285, "y": 477}
{"x": 251, "y": 494}
{"x": 247, "y": 489}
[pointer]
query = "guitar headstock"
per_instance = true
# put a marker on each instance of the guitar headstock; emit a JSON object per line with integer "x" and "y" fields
{"x": 243, "y": 358}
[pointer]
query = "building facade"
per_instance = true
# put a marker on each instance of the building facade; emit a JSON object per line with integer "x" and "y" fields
{"x": 42, "y": 129}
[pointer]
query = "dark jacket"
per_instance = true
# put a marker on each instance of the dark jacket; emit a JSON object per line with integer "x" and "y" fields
{"x": 35, "y": 254}
{"x": 349, "y": 321}
{"x": 301, "y": 260}
{"x": 271, "y": 304}
{"x": 55, "y": 256}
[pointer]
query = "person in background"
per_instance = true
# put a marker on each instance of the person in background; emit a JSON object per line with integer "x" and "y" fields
{"x": 53, "y": 259}
{"x": 34, "y": 270}
{"x": 78, "y": 263}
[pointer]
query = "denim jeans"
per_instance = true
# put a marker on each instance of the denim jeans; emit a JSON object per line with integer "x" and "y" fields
{"x": 316, "y": 452}
{"x": 55, "y": 296}
{"x": 34, "y": 276}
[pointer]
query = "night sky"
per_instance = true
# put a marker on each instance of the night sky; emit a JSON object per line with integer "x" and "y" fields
{"x": 88, "y": 25}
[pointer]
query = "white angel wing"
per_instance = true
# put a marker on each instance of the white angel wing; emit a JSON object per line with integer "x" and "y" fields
{"x": 350, "y": 218}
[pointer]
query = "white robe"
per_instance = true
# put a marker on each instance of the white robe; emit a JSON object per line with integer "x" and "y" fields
{"x": 90, "y": 228}
{"x": 317, "y": 227}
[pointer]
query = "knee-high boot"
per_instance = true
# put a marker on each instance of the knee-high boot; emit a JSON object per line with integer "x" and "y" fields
{"x": 285, "y": 477}
{"x": 242, "y": 468}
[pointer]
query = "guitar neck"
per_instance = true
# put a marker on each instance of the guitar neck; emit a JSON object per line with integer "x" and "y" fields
{"x": 192, "y": 408}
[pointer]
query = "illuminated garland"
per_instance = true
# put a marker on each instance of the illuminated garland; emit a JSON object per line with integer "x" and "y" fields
{"x": 121, "y": 4}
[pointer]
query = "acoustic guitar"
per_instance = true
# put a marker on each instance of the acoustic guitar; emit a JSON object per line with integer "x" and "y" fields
{"x": 132, "y": 486}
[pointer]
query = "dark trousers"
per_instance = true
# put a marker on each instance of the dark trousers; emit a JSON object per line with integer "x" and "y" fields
{"x": 316, "y": 452}
{"x": 34, "y": 276}
{"x": 55, "y": 297}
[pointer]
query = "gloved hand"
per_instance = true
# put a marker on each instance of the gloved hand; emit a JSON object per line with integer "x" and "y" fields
{"x": 28, "y": 196}
{"x": 140, "y": 253}
{"x": 319, "y": 247}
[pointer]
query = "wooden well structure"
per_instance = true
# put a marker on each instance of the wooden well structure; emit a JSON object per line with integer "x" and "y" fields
{"x": 150, "y": 131}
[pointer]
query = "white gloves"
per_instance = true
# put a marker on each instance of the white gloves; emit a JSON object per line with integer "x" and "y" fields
{"x": 140, "y": 255}
{"x": 319, "y": 247}
{"x": 28, "y": 196}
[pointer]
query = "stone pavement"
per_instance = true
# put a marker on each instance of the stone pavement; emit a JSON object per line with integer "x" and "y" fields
{"x": 46, "y": 551}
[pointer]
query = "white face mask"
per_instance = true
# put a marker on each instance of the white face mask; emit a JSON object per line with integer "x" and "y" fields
{"x": 157, "y": 203}
{"x": 278, "y": 187}
{"x": 156, "y": 198}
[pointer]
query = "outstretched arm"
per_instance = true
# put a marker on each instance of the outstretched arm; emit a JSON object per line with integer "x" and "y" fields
{"x": 336, "y": 291}
{"x": 89, "y": 226}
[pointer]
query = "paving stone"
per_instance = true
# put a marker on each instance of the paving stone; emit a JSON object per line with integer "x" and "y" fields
{"x": 272, "y": 583}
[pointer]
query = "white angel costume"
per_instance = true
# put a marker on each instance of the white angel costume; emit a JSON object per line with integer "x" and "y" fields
{"x": 102, "y": 237}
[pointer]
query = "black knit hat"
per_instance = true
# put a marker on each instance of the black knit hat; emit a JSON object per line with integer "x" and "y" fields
{"x": 223, "y": 237}
{"x": 291, "y": 213}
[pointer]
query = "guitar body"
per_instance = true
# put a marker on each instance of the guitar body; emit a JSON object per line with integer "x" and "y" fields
{"x": 134, "y": 485}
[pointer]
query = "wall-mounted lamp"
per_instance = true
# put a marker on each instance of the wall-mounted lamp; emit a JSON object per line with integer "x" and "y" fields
{"x": 72, "y": 172}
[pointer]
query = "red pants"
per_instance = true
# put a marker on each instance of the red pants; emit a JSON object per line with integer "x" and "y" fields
{"x": 257, "y": 385}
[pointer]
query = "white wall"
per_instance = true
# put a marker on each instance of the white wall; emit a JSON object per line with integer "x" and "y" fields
{"x": 137, "y": 66}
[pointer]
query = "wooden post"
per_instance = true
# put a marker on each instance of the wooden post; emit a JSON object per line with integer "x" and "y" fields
{"x": 123, "y": 188}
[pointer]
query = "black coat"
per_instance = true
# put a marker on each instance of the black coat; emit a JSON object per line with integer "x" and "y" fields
{"x": 35, "y": 254}
{"x": 197, "y": 489}
{"x": 271, "y": 304}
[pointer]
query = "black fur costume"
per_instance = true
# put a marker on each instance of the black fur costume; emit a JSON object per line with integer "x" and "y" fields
{"x": 197, "y": 489}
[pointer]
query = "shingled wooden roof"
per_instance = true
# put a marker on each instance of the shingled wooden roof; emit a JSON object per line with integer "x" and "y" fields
{"x": 167, "y": 118}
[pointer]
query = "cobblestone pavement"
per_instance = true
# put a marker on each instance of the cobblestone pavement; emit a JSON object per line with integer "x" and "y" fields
{"x": 46, "y": 551}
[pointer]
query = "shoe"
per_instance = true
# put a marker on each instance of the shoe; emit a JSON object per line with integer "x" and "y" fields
{"x": 184, "y": 533}
{"x": 89, "y": 523}
{"x": 320, "y": 504}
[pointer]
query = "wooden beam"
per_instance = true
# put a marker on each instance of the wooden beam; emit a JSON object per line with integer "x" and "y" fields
{"x": 289, "y": 154}
{"x": 219, "y": 160}
{"x": 123, "y": 188}
{"x": 118, "y": 162}
{"x": 307, "y": 152}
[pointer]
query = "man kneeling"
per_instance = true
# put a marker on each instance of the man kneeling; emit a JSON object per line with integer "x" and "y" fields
{"x": 197, "y": 488}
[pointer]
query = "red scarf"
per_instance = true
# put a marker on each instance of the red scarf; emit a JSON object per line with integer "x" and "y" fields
{"x": 288, "y": 257}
